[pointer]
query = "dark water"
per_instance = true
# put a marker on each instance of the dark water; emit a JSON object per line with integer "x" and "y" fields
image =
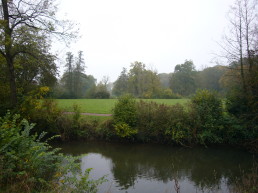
{"x": 144, "y": 168}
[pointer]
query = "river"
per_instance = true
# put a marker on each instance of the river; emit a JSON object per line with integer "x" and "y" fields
{"x": 152, "y": 168}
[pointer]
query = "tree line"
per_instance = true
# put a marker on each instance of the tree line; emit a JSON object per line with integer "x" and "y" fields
{"x": 139, "y": 81}
{"x": 183, "y": 82}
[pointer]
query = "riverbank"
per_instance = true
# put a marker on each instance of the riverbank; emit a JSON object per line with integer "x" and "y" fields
{"x": 202, "y": 121}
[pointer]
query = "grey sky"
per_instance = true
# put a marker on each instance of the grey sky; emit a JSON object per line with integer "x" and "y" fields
{"x": 159, "y": 33}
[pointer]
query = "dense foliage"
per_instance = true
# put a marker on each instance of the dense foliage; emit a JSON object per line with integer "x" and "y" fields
{"x": 202, "y": 121}
{"x": 207, "y": 110}
{"x": 29, "y": 164}
{"x": 183, "y": 82}
{"x": 139, "y": 82}
{"x": 125, "y": 117}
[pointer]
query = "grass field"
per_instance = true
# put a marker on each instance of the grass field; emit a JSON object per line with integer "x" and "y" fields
{"x": 104, "y": 106}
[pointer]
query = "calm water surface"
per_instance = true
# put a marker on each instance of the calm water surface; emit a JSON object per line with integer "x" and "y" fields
{"x": 145, "y": 168}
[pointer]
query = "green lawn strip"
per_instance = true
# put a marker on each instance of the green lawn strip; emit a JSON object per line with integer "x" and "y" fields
{"x": 105, "y": 106}
{"x": 101, "y": 106}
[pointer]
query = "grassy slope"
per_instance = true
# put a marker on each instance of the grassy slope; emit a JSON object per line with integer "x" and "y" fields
{"x": 104, "y": 106}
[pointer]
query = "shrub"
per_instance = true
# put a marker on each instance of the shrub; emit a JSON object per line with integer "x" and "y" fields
{"x": 125, "y": 116}
{"x": 159, "y": 122}
{"x": 106, "y": 130}
{"x": 243, "y": 107}
{"x": 69, "y": 125}
{"x": 48, "y": 116}
{"x": 25, "y": 161}
{"x": 29, "y": 165}
{"x": 151, "y": 119}
{"x": 72, "y": 127}
{"x": 44, "y": 112}
{"x": 208, "y": 112}
{"x": 124, "y": 130}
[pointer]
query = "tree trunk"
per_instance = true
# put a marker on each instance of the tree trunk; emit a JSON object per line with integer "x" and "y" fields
{"x": 248, "y": 35}
{"x": 8, "y": 54}
{"x": 12, "y": 83}
{"x": 241, "y": 49}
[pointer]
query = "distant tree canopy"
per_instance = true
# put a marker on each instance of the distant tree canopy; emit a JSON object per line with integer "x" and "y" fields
{"x": 182, "y": 80}
{"x": 139, "y": 82}
{"x": 164, "y": 79}
{"x": 100, "y": 92}
{"x": 74, "y": 82}
{"x": 78, "y": 91}
{"x": 121, "y": 84}
{"x": 210, "y": 78}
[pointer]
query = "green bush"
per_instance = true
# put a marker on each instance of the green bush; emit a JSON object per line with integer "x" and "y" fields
{"x": 124, "y": 130}
{"x": 243, "y": 109}
{"x": 25, "y": 160}
{"x": 163, "y": 123}
{"x": 69, "y": 126}
{"x": 29, "y": 165}
{"x": 106, "y": 130}
{"x": 44, "y": 112}
{"x": 125, "y": 116}
{"x": 208, "y": 112}
{"x": 48, "y": 116}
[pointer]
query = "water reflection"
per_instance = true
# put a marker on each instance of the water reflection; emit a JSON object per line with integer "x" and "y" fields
{"x": 137, "y": 166}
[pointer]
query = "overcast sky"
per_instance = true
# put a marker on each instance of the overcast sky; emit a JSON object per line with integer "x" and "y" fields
{"x": 159, "y": 33}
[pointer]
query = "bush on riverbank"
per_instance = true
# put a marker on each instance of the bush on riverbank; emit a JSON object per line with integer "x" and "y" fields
{"x": 199, "y": 122}
{"x": 49, "y": 117}
{"x": 202, "y": 121}
{"x": 206, "y": 107}
{"x": 161, "y": 123}
{"x": 28, "y": 164}
{"x": 125, "y": 117}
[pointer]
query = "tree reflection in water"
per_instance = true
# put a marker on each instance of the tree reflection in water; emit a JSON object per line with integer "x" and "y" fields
{"x": 203, "y": 167}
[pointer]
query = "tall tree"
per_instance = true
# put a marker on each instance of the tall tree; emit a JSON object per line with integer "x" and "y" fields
{"x": 19, "y": 17}
{"x": 74, "y": 76}
{"x": 105, "y": 80}
{"x": 182, "y": 80}
{"x": 139, "y": 81}
{"x": 241, "y": 40}
{"x": 152, "y": 84}
{"x": 121, "y": 84}
{"x": 136, "y": 78}
{"x": 78, "y": 71}
{"x": 69, "y": 80}
{"x": 240, "y": 49}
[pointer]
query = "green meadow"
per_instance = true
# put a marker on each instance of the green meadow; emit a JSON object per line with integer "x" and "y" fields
{"x": 105, "y": 106}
